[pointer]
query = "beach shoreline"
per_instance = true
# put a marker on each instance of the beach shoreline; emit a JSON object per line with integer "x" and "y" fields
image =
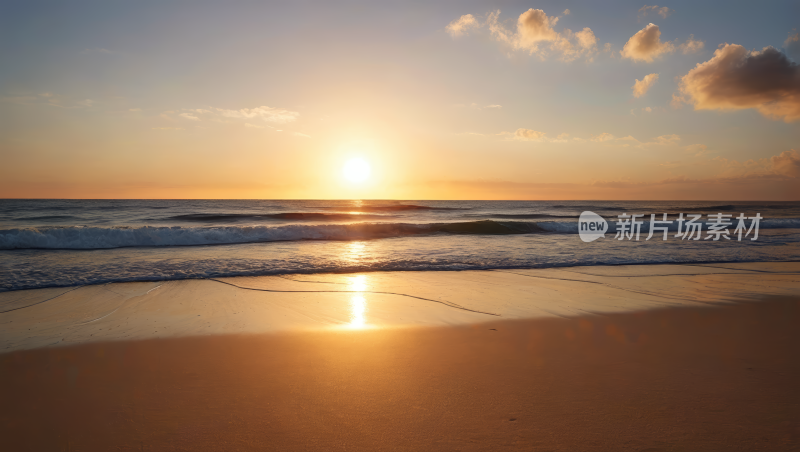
{"x": 38, "y": 318}
{"x": 669, "y": 357}
{"x": 682, "y": 378}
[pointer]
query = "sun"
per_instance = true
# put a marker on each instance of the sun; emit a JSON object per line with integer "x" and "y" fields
{"x": 356, "y": 170}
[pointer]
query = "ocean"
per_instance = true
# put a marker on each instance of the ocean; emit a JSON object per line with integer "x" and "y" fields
{"x": 55, "y": 243}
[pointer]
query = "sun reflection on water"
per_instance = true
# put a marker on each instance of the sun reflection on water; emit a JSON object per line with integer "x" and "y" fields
{"x": 354, "y": 253}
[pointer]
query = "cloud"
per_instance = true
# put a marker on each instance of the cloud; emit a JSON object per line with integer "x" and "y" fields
{"x": 698, "y": 150}
{"x": 691, "y": 46}
{"x": 603, "y": 137}
{"x": 662, "y": 11}
{"x": 528, "y": 135}
{"x": 298, "y": 134}
{"x": 666, "y": 139}
{"x": 189, "y": 116}
{"x": 646, "y": 45}
{"x": 736, "y": 79}
{"x": 629, "y": 140}
{"x": 475, "y": 106}
{"x": 460, "y": 26}
{"x": 247, "y": 124}
{"x": 640, "y": 87}
{"x": 535, "y": 34}
{"x": 566, "y": 12}
{"x": 269, "y": 114}
{"x": 792, "y": 46}
{"x": 134, "y": 109}
{"x": 785, "y": 165}
{"x": 782, "y": 167}
{"x": 167, "y": 128}
{"x": 671, "y": 164}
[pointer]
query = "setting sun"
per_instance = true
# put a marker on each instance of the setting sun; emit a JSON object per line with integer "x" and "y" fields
{"x": 356, "y": 170}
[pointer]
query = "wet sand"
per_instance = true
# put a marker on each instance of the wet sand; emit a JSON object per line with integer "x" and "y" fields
{"x": 57, "y": 317}
{"x": 640, "y": 358}
{"x": 687, "y": 378}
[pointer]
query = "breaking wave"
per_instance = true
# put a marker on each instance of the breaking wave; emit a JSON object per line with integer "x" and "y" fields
{"x": 294, "y": 216}
{"x": 86, "y": 238}
{"x": 104, "y": 238}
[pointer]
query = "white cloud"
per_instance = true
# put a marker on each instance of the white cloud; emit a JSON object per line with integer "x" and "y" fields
{"x": 535, "y": 34}
{"x": 269, "y": 114}
{"x": 528, "y": 135}
{"x": 189, "y": 116}
{"x": 460, "y": 26}
{"x": 667, "y": 139}
{"x": 646, "y": 45}
{"x": 691, "y": 46}
{"x": 697, "y": 150}
{"x": 566, "y": 12}
{"x": 792, "y": 46}
{"x": 475, "y": 106}
{"x": 640, "y": 87}
{"x": 603, "y": 137}
{"x": 661, "y": 11}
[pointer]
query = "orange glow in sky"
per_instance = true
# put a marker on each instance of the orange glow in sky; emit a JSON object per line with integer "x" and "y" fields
{"x": 419, "y": 100}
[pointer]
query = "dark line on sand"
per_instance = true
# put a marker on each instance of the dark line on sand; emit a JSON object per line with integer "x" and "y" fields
{"x": 40, "y": 302}
{"x": 446, "y": 303}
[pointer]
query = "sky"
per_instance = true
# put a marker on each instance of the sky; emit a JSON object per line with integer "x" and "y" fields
{"x": 536, "y": 100}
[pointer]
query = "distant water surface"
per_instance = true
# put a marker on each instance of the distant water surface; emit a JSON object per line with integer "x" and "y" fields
{"x": 45, "y": 243}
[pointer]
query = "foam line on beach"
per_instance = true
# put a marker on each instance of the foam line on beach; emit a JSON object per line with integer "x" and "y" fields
{"x": 272, "y": 304}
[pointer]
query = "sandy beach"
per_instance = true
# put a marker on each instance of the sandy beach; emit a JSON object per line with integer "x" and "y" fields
{"x": 663, "y": 357}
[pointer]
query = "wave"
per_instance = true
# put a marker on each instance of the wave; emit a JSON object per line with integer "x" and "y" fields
{"x": 45, "y": 218}
{"x": 392, "y": 208}
{"x": 710, "y": 208}
{"x": 120, "y": 237}
{"x": 85, "y": 238}
{"x": 523, "y": 216}
{"x": 571, "y": 227}
{"x": 307, "y": 216}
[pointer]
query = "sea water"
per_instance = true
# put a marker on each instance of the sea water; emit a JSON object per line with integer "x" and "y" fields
{"x": 49, "y": 243}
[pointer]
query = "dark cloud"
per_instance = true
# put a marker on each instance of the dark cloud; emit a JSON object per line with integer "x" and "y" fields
{"x": 736, "y": 78}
